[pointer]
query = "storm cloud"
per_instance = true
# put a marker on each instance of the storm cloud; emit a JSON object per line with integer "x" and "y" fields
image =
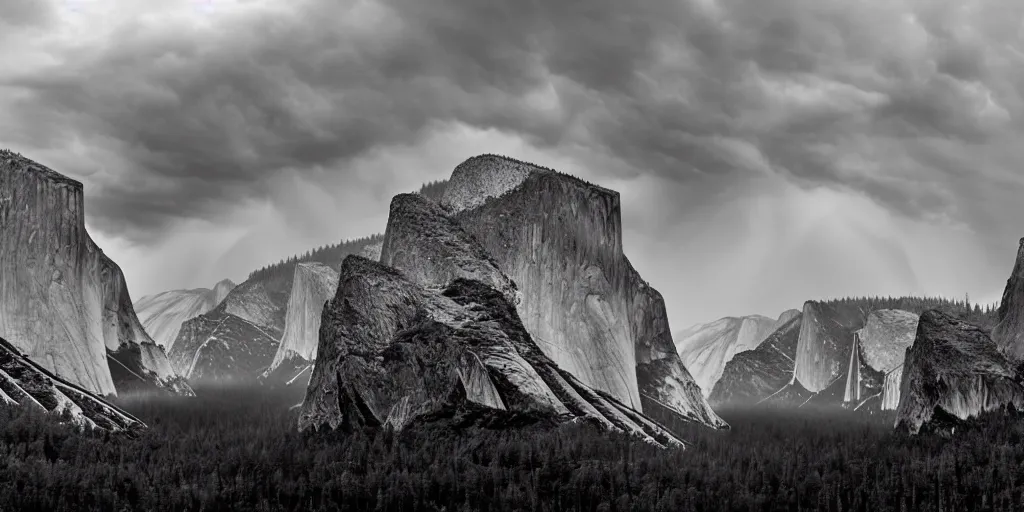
{"x": 182, "y": 112}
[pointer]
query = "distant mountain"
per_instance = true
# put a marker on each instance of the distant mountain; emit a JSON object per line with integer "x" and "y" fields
{"x": 64, "y": 303}
{"x": 24, "y": 383}
{"x": 162, "y": 314}
{"x": 559, "y": 238}
{"x": 706, "y": 348}
{"x": 954, "y": 371}
{"x": 755, "y": 376}
{"x": 1009, "y": 332}
{"x": 221, "y": 347}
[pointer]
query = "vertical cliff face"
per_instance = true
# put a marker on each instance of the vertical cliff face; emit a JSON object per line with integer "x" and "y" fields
{"x": 883, "y": 341}
{"x": 705, "y": 349}
{"x": 1009, "y": 332}
{"x": 393, "y": 353}
{"x": 954, "y": 370}
{"x": 314, "y": 284}
{"x": 62, "y": 301}
{"x": 823, "y": 352}
{"x": 753, "y": 376}
{"x": 559, "y": 239}
{"x": 162, "y": 314}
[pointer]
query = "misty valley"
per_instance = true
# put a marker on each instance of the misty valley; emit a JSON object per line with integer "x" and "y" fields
{"x": 492, "y": 347}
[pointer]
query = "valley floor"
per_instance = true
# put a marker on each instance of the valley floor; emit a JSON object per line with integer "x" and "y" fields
{"x": 232, "y": 449}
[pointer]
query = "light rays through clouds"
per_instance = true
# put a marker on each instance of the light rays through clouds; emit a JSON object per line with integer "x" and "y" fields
{"x": 766, "y": 152}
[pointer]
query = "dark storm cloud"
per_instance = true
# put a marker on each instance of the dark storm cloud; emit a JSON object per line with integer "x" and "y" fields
{"x": 202, "y": 117}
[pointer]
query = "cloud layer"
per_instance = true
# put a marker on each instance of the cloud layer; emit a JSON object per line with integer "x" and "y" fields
{"x": 907, "y": 114}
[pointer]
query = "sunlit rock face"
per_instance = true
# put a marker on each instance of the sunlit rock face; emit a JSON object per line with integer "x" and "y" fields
{"x": 559, "y": 239}
{"x": 162, "y": 314}
{"x": 221, "y": 347}
{"x": 62, "y": 301}
{"x": 823, "y": 352}
{"x": 25, "y": 383}
{"x": 1009, "y": 332}
{"x": 314, "y": 284}
{"x": 754, "y": 376}
{"x": 883, "y": 342}
{"x": 954, "y": 370}
{"x": 705, "y": 349}
{"x": 393, "y": 353}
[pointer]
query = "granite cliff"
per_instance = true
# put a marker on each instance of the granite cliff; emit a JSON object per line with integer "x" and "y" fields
{"x": 394, "y": 353}
{"x": 559, "y": 239}
{"x": 705, "y": 349}
{"x": 62, "y": 301}
{"x": 1009, "y": 332}
{"x": 314, "y": 284}
{"x": 754, "y": 376}
{"x": 954, "y": 371}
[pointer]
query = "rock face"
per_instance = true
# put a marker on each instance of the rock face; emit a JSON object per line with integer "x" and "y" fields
{"x": 393, "y": 353}
{"x": 24, "y": 383}
{"x": 62, "y": 301}
{"x": 754, "y": 376}
{"x": 162, "y": 314}
{"x": 314, "y": 284}
{"x": 560, "y": 240}
{"x": 881, "y": 345}
{"x": 1009, "y": 332}
{"x": 219, "y": 347}
{"x": 826, "y": 339}
{"x": 706, "y": 348}
{"x": 954, "y": 370}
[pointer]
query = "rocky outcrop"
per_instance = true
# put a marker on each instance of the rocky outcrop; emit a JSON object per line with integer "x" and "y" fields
{"x": 62, "y": 301}
{"x": 314, "y": 284}
{"x": 25, "y": 383}
{"x": 559, "y": 239}
{"x": 162, "y": 314}
{"x": 219, "y": 347}
{"x": 393, "y": 353}
{"x": 705, "y": 349}
{"x": 954, "y": 370}
{"x": 1009, "y": 332}
{"x": 754, "y": 376}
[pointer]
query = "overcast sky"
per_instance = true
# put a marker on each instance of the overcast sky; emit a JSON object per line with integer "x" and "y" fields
{"x": 767, "y": 151}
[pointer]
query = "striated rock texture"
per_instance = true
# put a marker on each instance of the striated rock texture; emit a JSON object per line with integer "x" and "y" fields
{"x": 25, "y": 383}
{"x": 314, "y": 284}
{"x": 162, "y": 314}
{"x": 826, "y": 339}
{"x": 754, "y": 376}
{"x": 218, "y": 347}
{"x": 393, "y": 353}
{"x": 706, "y": 348}
{"x": 560, "y": 240}
{"x": 883, "y": 343}
{"x": 954, "y": 370}
{"x": 62, "y": 301}
{"x": 1009, "y": 332}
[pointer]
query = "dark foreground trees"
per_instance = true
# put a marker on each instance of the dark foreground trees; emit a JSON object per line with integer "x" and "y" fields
{"x": 235, "y": 450}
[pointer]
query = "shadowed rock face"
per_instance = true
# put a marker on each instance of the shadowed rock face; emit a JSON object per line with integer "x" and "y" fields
{"x": 1009, "y": 332}
{"x": 559, "y": 239}
{"x": 753, "y": 376}
{"x": 954, "y": 370}
{"x": 219, "y": 347}
{"x": 24, "y": 383}
{"x": 393, "y": 352}
{"x": 705, "y": 349}
{"x": 314, "y": 284}
{"x": 62, "y": 301}
{"x": 162, "y": 314}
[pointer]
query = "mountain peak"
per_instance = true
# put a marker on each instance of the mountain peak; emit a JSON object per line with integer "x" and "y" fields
{"x": 12, "y": 161}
